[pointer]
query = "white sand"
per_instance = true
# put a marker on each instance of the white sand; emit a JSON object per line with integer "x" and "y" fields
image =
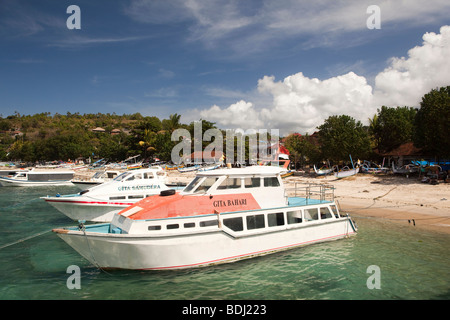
{"x": 395, "y": 198}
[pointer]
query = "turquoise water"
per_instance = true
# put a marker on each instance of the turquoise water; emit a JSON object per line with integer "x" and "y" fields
{"x": 413, "y": 264}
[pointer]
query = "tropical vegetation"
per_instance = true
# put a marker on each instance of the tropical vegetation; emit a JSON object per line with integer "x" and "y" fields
{"x": 44, "y": 137}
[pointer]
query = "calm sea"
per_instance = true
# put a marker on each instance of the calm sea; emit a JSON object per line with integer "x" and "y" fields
{"x": 406, "y": 263}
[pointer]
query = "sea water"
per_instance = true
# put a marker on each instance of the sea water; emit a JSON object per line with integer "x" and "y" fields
{"x": 383, "y": 261}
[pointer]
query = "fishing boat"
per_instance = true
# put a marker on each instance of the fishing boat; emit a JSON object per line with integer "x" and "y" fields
{"x": 370, "y": 167}
{"x": 99, "y": 203}
{"x": 97, "y": 178}
{"x": 323, "y": 172}
{"x": 221, "y": 216}
{"x": 209, "y": 167}
{"x": 189, "y": 168}
{"x": 406, "y": 169}
{"x": 346, "y": 172}
{"x": 32, "y": 177}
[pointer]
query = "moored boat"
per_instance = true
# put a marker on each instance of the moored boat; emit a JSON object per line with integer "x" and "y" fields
{"x": 99, "y": 203}
{"x": 221, "y": 216}
{"x": 51, "y": 177}
{"x": 97, "y": 178}
{"x": 346, "y": 172}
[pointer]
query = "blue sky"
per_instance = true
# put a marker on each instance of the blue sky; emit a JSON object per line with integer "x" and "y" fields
{"x": 258, "y": 64}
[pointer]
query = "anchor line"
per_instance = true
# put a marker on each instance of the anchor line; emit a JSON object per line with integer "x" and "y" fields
{"x": 24, "y": 239}
{"x": 90, "y": 250}
{"x": 18, "y": 204}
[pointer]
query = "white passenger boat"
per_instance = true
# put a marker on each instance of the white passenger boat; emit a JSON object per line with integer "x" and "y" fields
{"x": 97, "y": 178}
{"x": 99, "y": 203}
{"x": 38, "y": 178}
{"x": 221, "y": 216}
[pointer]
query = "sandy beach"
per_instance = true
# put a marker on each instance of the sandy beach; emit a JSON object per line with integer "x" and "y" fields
{"x": 395, "y": 198}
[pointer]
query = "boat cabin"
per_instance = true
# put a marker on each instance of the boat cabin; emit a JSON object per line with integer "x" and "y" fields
{"x": 244, "y": 199}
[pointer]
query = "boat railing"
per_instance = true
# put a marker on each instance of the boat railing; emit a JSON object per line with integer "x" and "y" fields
{"x": 310, "y": 191}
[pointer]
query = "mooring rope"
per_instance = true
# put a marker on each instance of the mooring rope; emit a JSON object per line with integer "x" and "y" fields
{"x": 24, "y": 239}
{"x": 18, "y": 204}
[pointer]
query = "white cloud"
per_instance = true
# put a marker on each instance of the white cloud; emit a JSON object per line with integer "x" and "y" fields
{"x": 241, "y": 114}
{"x": 406, "y": 80}
{"x": 299, "y": 103}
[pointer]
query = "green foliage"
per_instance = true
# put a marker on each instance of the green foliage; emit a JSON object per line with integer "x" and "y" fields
{"x": 303, "y": 148}
{"x": 341, "y": 136}
{"x": 392, "y": 127}
{"x": 432, "y": 123}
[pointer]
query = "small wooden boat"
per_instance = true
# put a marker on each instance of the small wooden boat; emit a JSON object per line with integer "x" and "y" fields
{"x": 322, "y": 172}
{"x": 346, "y": 172}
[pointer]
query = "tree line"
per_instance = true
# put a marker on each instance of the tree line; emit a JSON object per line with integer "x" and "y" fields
{"x": 427, "y": 127}
{"x": 43, "y": 137}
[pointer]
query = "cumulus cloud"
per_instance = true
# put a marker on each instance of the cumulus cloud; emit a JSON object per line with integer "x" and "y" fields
{"x": 299, "y": 103}
{"x": 238, "y": 115}
{"x": 406, "y": 80}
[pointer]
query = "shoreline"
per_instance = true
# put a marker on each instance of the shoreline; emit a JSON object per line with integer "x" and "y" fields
{"x": 397, "y": 199}
{"x": 390, "y": 197}
{"x": 393, "y": 198}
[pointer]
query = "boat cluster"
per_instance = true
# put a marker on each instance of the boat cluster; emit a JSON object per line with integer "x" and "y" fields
{"x": 135, "y": 220}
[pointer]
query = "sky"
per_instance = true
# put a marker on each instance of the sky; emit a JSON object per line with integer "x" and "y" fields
{"x": 248, "y": 64}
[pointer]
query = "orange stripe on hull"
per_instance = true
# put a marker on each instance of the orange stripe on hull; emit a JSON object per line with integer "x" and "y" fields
{"x": 161, "y": 207}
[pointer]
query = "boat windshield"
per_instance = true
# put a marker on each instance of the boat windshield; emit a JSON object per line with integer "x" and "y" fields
{"x": 122, "y": 176}
{"x": 200, "y": 185}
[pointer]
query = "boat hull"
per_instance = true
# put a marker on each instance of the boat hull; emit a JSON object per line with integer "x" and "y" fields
{"x": 8, "y": 182}
{"x": 123, "y": 251}
{"x": 347, "y": 173}
{"x": 79, "y": 208}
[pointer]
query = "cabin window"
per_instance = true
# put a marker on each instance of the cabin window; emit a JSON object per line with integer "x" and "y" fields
{"x": 192, "y": 184}
{"x": 209, "y": 223}
{"x": 205, "y": 185}
{"x": 311, "y": 214}
{"x": 275, "y": 219}
{"x": 160, "y": 173}
{"x": 255, "y": 222}
{"x": 122, "y": 176}
{"x": 153, "y": 228}
{"x": 234, "y": 224}
{"x": 136, "y": 197}
{"x": 138, "y": 176}
{"x": 271, "y": 182}
{"x": 172, "y": 226}
{"x": 334, "y": 210}
{"x": 189, "y": 225}
{"x": 325, "y": 213}
{"x": 117, "y": 198}
{"x": 148, "y": 175}
{"x": 230, "y": 183}
{"x": 252, "y": 182}
{"x": 294, "y": 217}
